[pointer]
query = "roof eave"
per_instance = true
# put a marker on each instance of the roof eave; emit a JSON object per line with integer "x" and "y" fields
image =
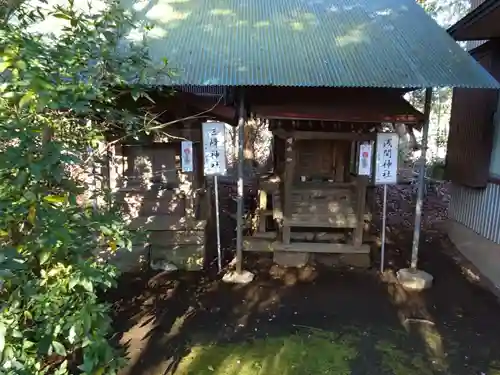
{"x": 459, "y": 30}
{"x": 389, "y": 108}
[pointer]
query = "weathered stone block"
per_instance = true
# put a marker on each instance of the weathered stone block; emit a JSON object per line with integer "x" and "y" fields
{"x": 184, "y": 257}
{"x": 335, "y": 260}
{"x": 291, "y": 259}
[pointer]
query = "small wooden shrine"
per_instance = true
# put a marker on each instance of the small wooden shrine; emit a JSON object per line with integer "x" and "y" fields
{"x": 157, "y": 196}
{"x": 313, "y": 201}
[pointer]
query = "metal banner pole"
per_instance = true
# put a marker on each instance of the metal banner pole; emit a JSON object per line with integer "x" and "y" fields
{"x": 384, "y": 215}
{"x": 239, "y": 209}
{"x": 217, "y": 222}
{"x": 93, "y": 187}
{"x": 386, "y": 172}
{"x": 421, "y": 181}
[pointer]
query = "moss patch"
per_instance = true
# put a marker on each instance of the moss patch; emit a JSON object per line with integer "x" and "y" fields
{"x": 304, "y": 353}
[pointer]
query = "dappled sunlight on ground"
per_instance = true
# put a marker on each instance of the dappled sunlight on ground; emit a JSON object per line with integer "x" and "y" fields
{"x": 313, "y": 352}
{"x": 339, "y": 322}
{"x": 309, "y": 351}
{"x": 415, "y": 317}
{"x": 313, "y": 320}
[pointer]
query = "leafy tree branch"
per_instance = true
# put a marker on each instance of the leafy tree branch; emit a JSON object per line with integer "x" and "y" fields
{"x": 59, "y": 95}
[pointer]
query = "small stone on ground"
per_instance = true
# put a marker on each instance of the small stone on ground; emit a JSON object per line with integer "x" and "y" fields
{"x": 415, "y": 280}
{"x": 244, "y": 277}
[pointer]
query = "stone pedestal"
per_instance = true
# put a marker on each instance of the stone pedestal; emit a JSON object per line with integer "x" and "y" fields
{"x": 290, "y": 258}
{"x": 234, "y": 277}
{"x": 414, "y": 280}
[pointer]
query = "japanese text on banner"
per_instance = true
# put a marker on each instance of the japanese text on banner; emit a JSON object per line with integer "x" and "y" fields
{"x": 387, "y": 158}
{"x": 214, "y": 150}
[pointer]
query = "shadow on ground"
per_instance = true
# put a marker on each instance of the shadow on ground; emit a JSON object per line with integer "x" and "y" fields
{"x": 312, "y": 320}
{"x": 309, "y": 321}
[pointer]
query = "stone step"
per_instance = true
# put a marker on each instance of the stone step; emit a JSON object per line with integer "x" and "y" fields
{"x": 150, "y": 202}
{"x": 270, "y": 245}
{"x": 148, "y": 193}
{"x": 126, "y": 260}
{"x": 302, "y": 236}
{"x": 263, "y": 235}
{"x": 186, "y": 257}
{"x": 168, "y": 238}
{"x": 316, "y": 247}
{"x": 154, "y": 206}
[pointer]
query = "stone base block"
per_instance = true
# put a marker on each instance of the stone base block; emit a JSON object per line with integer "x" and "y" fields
{"x": 335, "y": 260}
{"x": 414, "y": 280}
{"x": 234, "y": 277}
{"x": 290, "y": 258}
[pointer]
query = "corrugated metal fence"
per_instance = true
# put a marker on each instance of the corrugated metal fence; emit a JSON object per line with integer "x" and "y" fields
{"x": 477, "y": 209}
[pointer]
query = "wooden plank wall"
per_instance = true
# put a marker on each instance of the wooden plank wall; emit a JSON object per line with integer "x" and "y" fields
{"x": 323, "y": 158}
{"x": 472, "y": 126}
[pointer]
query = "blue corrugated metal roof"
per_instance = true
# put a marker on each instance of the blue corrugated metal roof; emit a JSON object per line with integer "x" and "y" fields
{"x": 333, "y": 43}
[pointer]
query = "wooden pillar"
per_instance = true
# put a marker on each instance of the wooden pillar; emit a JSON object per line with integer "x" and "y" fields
{"x": 279, "y": 146}
{"x": 190, "y": 192}
{"x": 203, "y": 195}
{"x": 286, "y": 202}
{"x": 340, "y": 160}
{"x": 275, "y": 154}
{"x": 262, "y": 210}
{"x": 116, "y": 161}
{"x": 361, "y": 185}
{"x": 188, "y": 178}
{"x": 186, "y": 189}
{"x": 242, "y": 116}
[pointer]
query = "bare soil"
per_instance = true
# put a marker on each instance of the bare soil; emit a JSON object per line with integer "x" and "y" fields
{"x": 450, "y": 329}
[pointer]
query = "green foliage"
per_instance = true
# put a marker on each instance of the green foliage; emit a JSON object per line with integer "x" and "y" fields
{"x": 436, "y": 169}
{"x": 58, "y": 97}
{"x": 446, "y": 12}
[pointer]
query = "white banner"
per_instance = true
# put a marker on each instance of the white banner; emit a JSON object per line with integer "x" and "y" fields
{"x": 365, "y": 159}
{"x": 386, "y": 169}
{"x": 214, "y": 149}
{"x": 187, "y": 156}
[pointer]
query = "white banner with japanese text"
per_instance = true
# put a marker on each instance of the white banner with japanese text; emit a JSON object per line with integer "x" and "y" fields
{"x": 214, "y": 149}
{"x": 386, "y": 166}
{"x": 365, "y": 159}
{"x": 187, "y": 156}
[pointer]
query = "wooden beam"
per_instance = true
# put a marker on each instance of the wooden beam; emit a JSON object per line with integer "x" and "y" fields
{"x": 317, "y": 220}
{"x": 172, "y": 238}
{"x": 321, "y": 221}
{"x": 304, "y": 135}
{"x": 262, "y": 211}
{"x": 286, "y": 199}
{"x": 165, "y": 222}
{"x": 316, "y": 247}
{"x": 319, "y": 187}
{"x": 208, "y": 204}
{"x": 325, "y": 237}
{"x": 360, "y": 211}
{"x": 270, "y": 187}
{"x": 252, "y": 244}
{"x": 268, "y": 245}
